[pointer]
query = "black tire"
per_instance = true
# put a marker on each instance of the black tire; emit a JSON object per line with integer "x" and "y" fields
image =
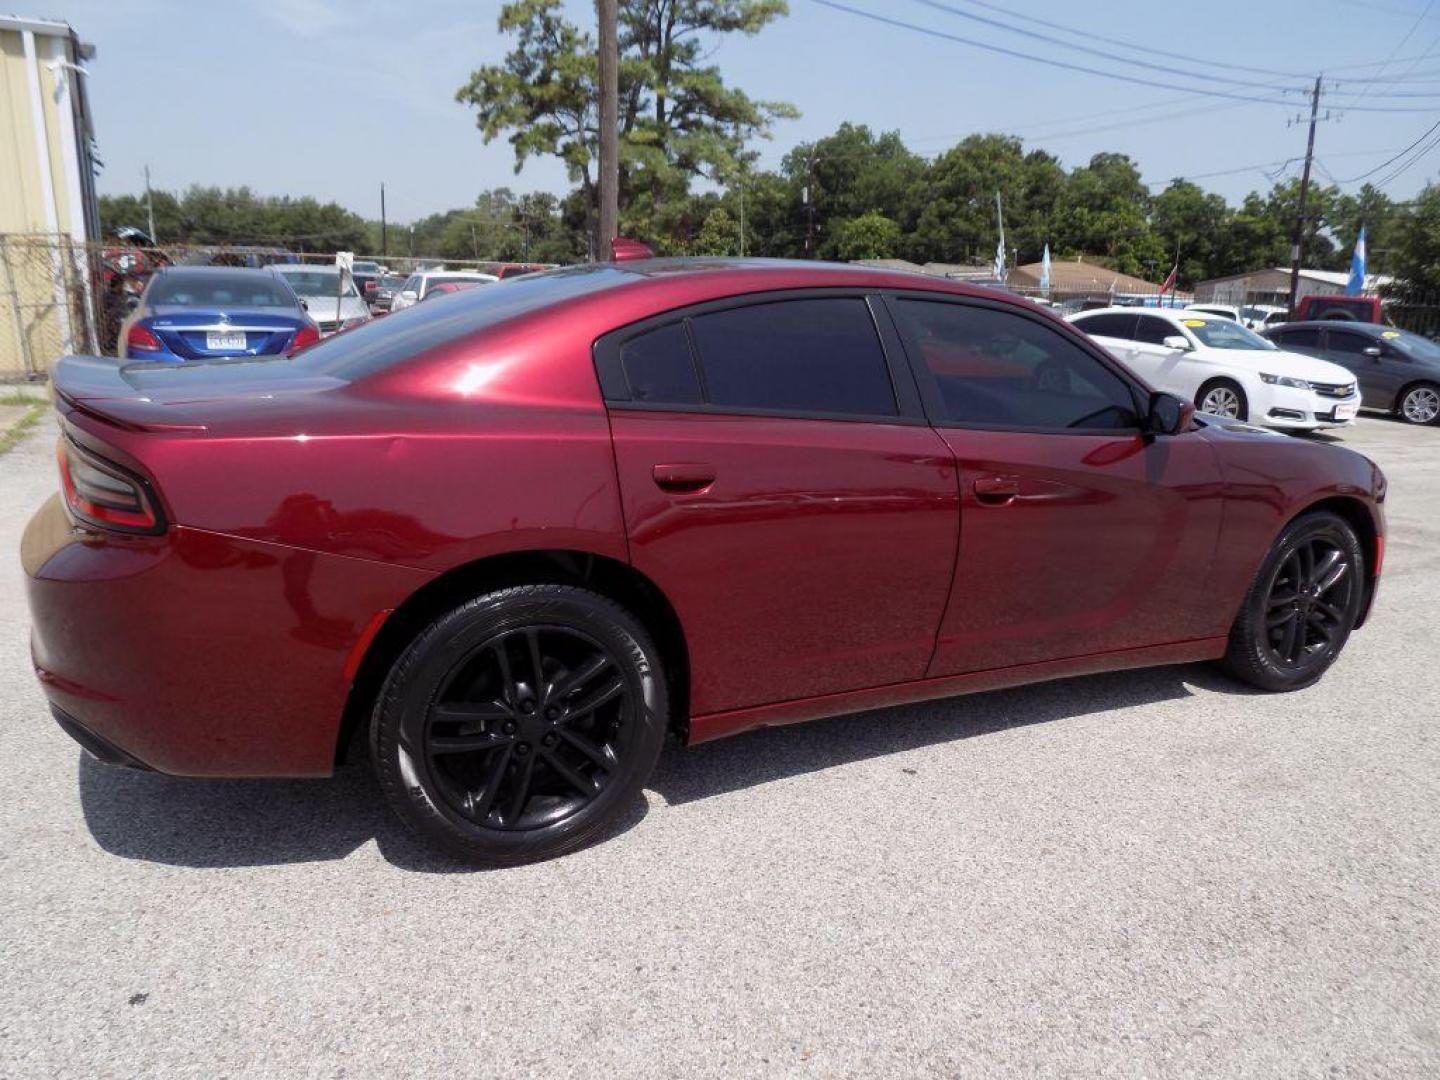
{"x": 1419, "y": 404}
{"x": 1292, "y": 624}
{"x": 1242, "y": 406}
{"x": 497, "y": 766}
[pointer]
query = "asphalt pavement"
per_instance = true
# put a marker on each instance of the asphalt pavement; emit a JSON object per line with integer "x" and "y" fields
{"x": 1141, "y": 874}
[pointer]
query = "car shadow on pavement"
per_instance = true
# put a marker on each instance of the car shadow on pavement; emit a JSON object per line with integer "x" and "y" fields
{"x": 759, "y": 757}
{"x": 237, "y": 823}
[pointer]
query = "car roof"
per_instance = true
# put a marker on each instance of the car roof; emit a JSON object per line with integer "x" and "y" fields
{"x": 321, "y": 268}
{"x": 1373, "y": 329}
{"x": 1174, "y": 314}
{"x": 212, "y": 270}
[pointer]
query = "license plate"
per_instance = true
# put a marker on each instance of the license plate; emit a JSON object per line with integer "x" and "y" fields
{"x": 1345, "y": 412}
{"x": 224, "y": 341}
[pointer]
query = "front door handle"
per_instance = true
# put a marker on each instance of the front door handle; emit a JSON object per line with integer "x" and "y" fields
{"x": 996, "y": 490}
{"x": 684, "y": 478}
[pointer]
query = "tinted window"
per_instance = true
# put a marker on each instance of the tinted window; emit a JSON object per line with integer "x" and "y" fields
{"x": 813, "y": 356}
{"x": 1349, "y": 343}
{"x": 1154, "y": 331}
{"x": 383, "y": 342}
{"x": 1298, "y": 339}
{"x": 658, "y": 367}
{"x": 218, "y": 289}
{"x": 997, "y": 369}
{"x": 317, "y": 282}
{"x": 1112, "y": 325}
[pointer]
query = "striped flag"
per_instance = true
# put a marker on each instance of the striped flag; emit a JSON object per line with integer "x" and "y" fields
{"x": 1356, "y": 285}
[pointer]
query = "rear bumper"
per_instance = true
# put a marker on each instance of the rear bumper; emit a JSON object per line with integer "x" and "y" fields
{"x": 198, "y": 653}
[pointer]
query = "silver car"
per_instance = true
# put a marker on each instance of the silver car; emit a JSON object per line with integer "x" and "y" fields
{"x": 331, "y": 307}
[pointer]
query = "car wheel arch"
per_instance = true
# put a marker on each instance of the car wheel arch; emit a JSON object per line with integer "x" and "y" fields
{"x": 1358, "y": 516}
{"x": 619, "y": 581}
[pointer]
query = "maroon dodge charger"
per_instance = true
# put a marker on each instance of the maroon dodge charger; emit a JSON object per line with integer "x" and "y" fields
{"x": 517, "y": 537}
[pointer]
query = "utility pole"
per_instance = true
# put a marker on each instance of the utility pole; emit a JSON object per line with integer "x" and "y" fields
{"x": 384, "y": 234}
{"x": 609, "y": 125}
{"x": 1297, "y": 243}
{"x": 474, "y": 242}
{"x": 150, "y": 209}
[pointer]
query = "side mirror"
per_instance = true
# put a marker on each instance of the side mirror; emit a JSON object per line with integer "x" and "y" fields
{"x": 1177, "y": 341}
{"x": 408, "y": 294}
{"x": 305, "y": 304}
{"x": 1168, "y": 414}
{"x": 1371, "y": 350}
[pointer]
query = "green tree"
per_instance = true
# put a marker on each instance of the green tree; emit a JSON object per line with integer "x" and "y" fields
{"x": 869, "y": 236}
{"x": 1415, "y": 259}
{"x": 1193, "y": 223}
{"x": 678, "y": 118}
{"x": 720, "y": 235}
{"x": 1105, "y": 211}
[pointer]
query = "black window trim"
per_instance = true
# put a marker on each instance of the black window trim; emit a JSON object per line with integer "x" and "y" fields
{"x": 615, "y": 387}
{"x": 930, "y": 389}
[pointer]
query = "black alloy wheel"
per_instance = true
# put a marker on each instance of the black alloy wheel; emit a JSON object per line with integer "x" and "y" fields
{"x": 1302, "y": 606}
{"x": 529, "y": 728}
{"x": 520, "y": 725}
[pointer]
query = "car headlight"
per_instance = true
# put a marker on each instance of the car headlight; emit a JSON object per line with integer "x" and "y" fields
{"x": 1284, "y": 380}
{"x": 350, "y": 324}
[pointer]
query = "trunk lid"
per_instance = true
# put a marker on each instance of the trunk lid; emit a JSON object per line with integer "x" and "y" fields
{"x": 200, "y": 333}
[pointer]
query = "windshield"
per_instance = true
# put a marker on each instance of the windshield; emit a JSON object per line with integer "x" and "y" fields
{"x": 361, "y": 267}
{"x": 317, "y": 282}
{"x": 1413, "y": 344}
{"x": 1221, "y": 333}
{"x": 457, "y": 279}
{"x": 240, "y": 288}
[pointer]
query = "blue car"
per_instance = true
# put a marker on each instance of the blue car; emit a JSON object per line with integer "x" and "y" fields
{"x": 209, "y": 312}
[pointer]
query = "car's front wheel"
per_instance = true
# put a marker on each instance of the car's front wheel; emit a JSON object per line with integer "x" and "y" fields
{"x": 520, "y": 725}
{"x": 1301, "y": 606}
{"x": 1420, "y": 404}
{"x": 1221, "y": 397}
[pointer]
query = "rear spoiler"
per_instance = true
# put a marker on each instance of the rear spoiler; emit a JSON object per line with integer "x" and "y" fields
{"x": 96, "y": 386}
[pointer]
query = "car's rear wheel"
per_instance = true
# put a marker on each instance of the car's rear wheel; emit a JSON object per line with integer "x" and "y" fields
{"x": 1420, "y": 404}
{"x": 1221, "y": 397}
{"x": 1301, "y": 607}
{"x": 520, "y": 725}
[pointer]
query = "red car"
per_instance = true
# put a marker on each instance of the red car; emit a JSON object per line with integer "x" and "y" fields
{"x": 518, "y": 539}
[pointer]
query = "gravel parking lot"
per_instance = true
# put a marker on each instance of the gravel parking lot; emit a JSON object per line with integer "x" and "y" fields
{"x": 1130, "y": 875}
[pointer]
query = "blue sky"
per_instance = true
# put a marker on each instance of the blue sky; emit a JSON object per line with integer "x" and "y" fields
{"x": 330, "y": 97}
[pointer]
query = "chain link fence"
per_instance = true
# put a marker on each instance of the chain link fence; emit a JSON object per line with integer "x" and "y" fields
{"x": 58, "y": 296}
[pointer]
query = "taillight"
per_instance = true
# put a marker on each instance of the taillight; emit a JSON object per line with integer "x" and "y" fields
{"x": 307, "y": 335}
{"x": 139, "y": 339}
{"x": 102, "y": 493}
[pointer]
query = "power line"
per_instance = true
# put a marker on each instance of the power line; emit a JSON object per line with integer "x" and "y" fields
{"x": 1400, "y": 45}
{"x": 1405, "y": 165}
{"x": 1036, "y": 35}
{"x": 1428, "y": 132}
{"x": 1207, "y": 62}
{"x": 1066, "y": 65}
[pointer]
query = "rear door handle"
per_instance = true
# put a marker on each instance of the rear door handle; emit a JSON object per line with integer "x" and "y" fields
{"x": 684, "y": 477}
{"x": 996, "y": 490}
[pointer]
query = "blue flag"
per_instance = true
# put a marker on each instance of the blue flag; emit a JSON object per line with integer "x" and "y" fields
{"x": 1045, "y": 271}
{"x": 1356, "y": 285}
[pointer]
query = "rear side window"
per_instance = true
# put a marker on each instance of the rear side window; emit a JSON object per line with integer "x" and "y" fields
{"x": 809, "y": 356}
{"x": 658, "y": 367}
{"x": 1298, "y": 339}
{"x": 1112, "y": 325}
{"x": 997, "y": 369}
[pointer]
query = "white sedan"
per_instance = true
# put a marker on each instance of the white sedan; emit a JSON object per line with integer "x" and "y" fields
{"x": 1224, "y": 368}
